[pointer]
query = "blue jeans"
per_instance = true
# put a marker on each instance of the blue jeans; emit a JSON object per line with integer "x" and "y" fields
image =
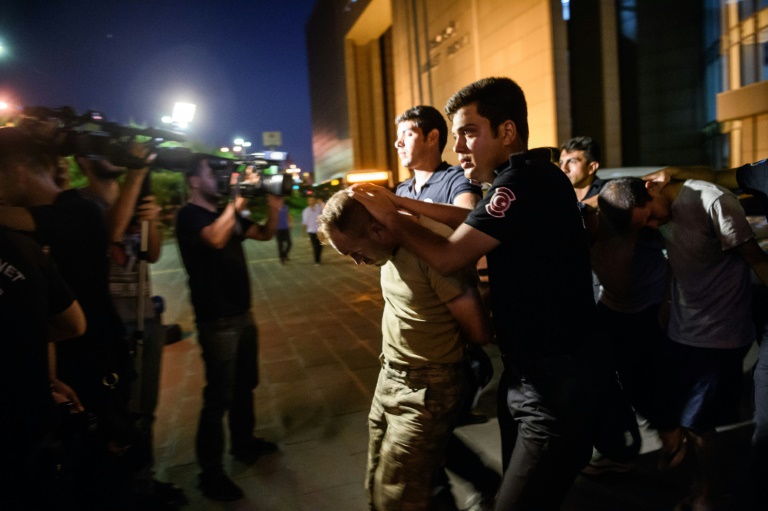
{"x": 230, "y": 354}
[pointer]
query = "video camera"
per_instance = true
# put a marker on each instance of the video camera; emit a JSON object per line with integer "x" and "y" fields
{"x": 266, "y": 164}
{"x": 92, "y": 136}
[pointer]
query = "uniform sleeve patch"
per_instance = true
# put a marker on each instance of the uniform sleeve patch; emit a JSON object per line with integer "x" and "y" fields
{"x": 500, "y": 202}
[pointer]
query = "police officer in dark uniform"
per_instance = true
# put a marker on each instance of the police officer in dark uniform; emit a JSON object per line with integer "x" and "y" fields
{"x": 35, "y": 307}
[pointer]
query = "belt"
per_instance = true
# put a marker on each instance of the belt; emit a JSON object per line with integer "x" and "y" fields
{"x": 407, "y": 368}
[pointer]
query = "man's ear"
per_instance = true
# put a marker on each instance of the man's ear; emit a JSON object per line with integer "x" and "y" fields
{"x": 508, "y": 131}
{"x": 432, "y": 137}
{"x": 653, "y": 187}
{"x": 376, "y": 230}
{"x": 593, "y": 166}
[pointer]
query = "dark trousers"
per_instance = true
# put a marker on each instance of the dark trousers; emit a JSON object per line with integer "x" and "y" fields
{"x": 230, "y": 354}
{"x": 460, "y": 458}
{"x": 546, "y": 422}
{"x": 317, "y": 247}
{"x": 639, "y": 351}
{"x": 284, "y": 243}
{"x": 760, "y": 437}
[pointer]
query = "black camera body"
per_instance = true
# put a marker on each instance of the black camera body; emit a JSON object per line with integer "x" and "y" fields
{"x": 274, "y": 184}
{"x": 267, "y": 165}
{"x": 91, "y": 135}
{"x": 268, "y": 182}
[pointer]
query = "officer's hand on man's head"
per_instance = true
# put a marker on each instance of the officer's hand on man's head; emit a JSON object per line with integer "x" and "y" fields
{"x": 376, "y": 199}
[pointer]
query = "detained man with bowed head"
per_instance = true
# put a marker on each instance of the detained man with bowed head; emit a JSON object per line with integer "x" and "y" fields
{"x": 711, "y": 250}
{"x": 427, "y": 322}
{"x": 540, "y": 285}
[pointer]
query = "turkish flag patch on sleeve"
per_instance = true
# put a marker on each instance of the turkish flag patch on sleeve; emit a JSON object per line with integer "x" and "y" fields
{"x": 500, "y": 202}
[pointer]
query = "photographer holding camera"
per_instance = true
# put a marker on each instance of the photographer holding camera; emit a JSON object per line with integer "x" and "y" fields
{"x": 210, "y": 242}
{"x": 131, "y": 216}
{"x": 97, "y": 365}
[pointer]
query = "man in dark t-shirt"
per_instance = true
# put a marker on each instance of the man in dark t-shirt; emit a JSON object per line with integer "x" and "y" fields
{"x": 73, "y": 230}
{"x": 210, "y": 241}
{"x": 530, "y": 227}
{"x": 35, "y": 307}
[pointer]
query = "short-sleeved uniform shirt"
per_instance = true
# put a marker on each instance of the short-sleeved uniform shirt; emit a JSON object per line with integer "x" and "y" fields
{"x": 218, "y": 278}
{"x": 711, "y": 288}
{"x": 540, "y": 274}
{"x": 30, "y": 293}
{"x": 417, "y": 327}
{"x": 442, "y": 187}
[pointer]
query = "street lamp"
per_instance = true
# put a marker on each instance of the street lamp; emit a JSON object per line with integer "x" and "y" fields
{"x": 240, "y": 145}
{"x": 182, "y": 115}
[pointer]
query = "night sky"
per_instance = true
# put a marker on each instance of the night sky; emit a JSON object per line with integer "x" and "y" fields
{"x": 242, "y": 62}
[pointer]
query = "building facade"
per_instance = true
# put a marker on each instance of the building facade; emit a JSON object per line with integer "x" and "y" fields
{"x": 645, "y": 78}
{"x": 742, "y": 107}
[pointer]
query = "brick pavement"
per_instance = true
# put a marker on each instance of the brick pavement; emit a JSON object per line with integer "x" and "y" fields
{"x": 319, "y": 343}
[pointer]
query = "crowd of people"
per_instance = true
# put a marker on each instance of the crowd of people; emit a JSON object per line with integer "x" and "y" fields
{"x": 96, "y": 448}
{"x": 86, "y": 338}
{"x": 608, "y": 300}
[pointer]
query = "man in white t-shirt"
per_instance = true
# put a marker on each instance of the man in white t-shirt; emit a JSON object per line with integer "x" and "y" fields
{"x": 711, "y": 250}
{"x": 309, "y": 225}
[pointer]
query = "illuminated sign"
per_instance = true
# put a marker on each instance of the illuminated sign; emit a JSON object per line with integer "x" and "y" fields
{"x": 368, "y": 177}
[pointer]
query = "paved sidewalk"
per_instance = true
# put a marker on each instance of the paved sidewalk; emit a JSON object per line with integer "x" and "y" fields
{"x": 319, "y": 342}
